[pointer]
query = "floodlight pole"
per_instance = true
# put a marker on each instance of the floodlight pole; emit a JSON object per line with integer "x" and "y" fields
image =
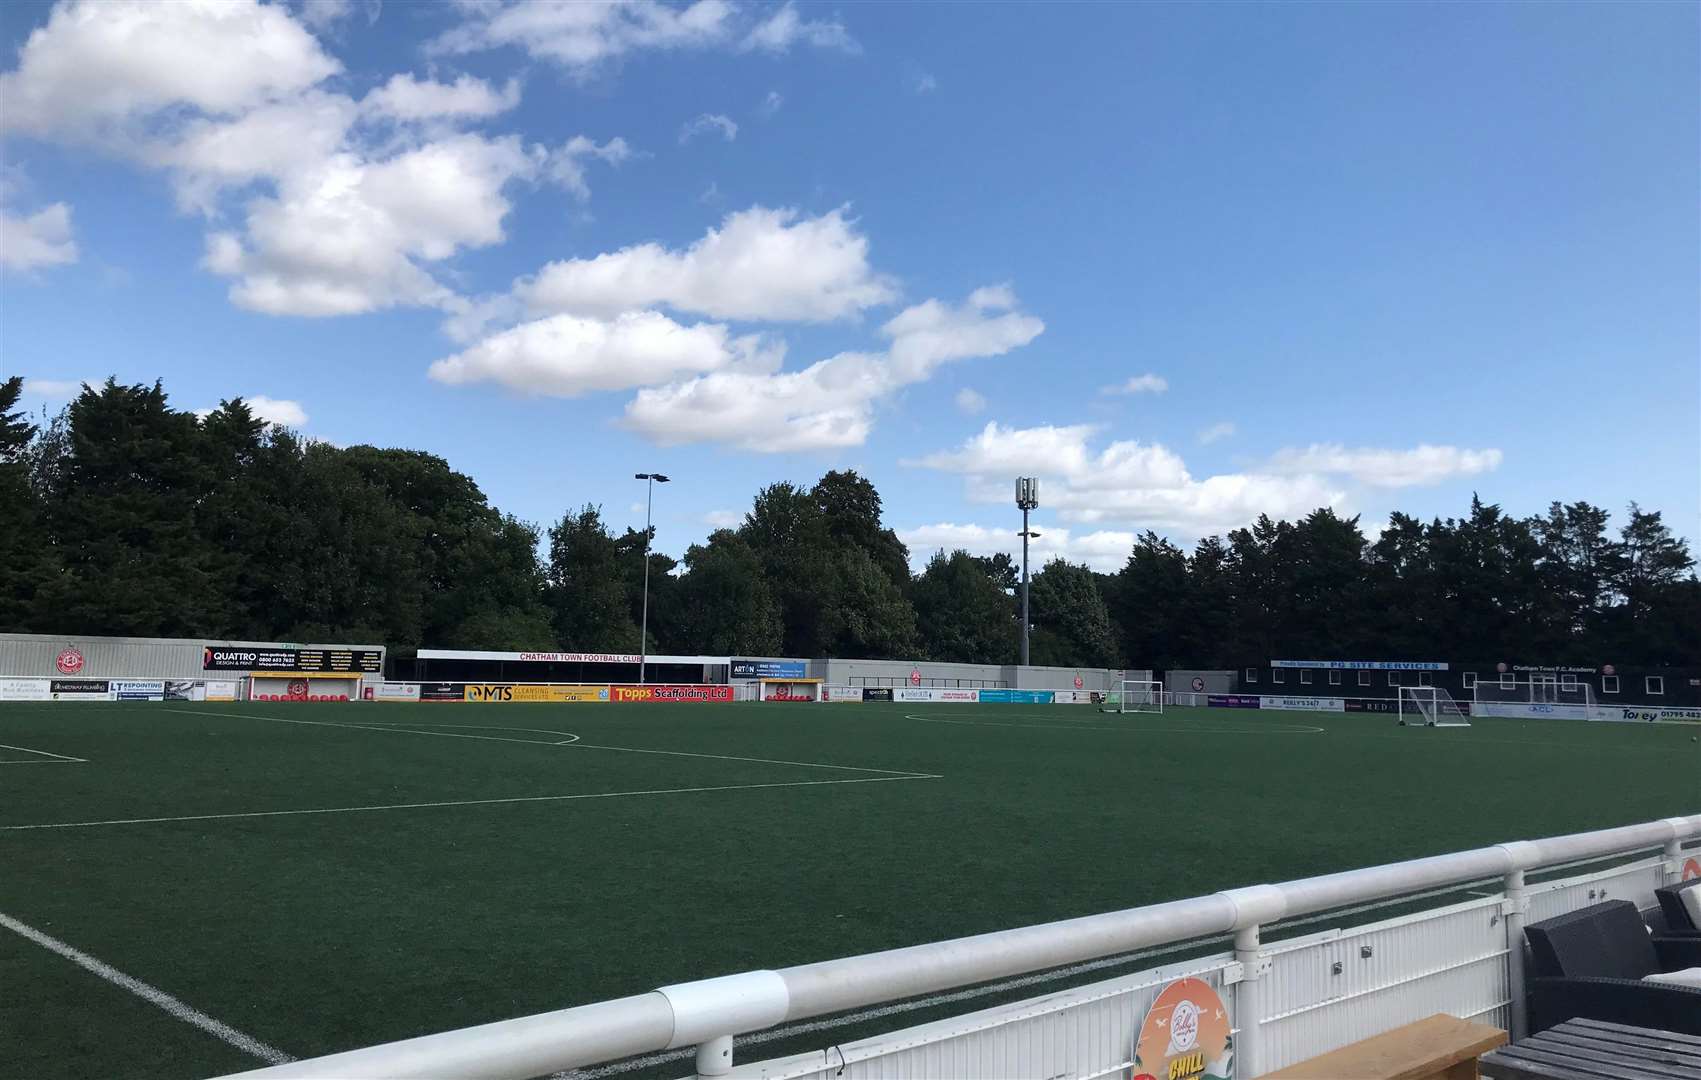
{"x": 650, "y": 481}
{"x": 1027, "y": 498}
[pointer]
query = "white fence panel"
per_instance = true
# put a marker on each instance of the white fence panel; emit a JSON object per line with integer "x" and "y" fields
{"x": 1635, "y": 882}
{"x": 1080, "y": 1034}
{"x": 1340, "y": 986}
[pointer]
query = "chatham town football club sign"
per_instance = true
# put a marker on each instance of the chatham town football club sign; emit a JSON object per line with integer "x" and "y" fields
{"x": 69, "y": 661}
{"x": 1185, "y": 1035}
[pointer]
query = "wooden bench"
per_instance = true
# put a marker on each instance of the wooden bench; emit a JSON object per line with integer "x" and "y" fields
{"x": 1582, "y": 1049}
{"x": 1440, "y": 1047}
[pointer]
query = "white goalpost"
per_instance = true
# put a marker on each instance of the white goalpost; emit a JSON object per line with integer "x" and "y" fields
{"x": 1430, "y": 706}
{"x": 1134, "y": 696}
{"x": 1539, "y": 697}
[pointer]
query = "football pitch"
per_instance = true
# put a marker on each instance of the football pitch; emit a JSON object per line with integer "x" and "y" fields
{"x": 188, "y": 889}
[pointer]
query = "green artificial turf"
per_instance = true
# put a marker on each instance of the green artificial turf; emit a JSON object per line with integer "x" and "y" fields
{"x": 321, "y": 932}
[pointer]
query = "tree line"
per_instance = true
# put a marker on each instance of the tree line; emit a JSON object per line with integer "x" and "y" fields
{"x": 122, "y": 515}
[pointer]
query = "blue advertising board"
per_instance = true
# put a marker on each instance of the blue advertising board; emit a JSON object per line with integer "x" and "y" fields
{"x": 1017, "y": 697}
{"x": 770, "y": 669}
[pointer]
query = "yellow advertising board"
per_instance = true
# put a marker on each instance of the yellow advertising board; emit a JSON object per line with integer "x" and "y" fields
{"x": 533, "y": 692}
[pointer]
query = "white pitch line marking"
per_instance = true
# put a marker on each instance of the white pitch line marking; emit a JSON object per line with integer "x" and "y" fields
{"x": 463, "y": 802}
{"x": 183, "y": 1011}
{"x": 1296, "y": 729}
{"x": 576, "y": 745}
{"x": 43, "y": 753}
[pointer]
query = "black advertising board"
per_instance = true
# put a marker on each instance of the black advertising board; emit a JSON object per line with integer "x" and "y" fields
{"x": 442, "y": 691}
{"x": 78, "y": 686}
{"x": 877, "y": 693}
{"x": 307, "y": 661}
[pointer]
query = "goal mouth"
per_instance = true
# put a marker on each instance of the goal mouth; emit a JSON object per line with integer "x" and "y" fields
{"x": 1134, "y": 696}
{"x": 1431, "y": 706}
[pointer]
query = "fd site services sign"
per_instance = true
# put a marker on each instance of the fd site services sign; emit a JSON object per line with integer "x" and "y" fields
{"x": 1185, "y": 1035}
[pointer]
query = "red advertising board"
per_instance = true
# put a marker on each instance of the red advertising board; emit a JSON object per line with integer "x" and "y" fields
{"x": 655, "y": 692}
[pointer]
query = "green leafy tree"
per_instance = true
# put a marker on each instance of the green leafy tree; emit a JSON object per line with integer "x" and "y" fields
{"x": 963, "y": 613}
{"x": 724, "y": 604}
{"x": 1148, "y": 599}
{"x": 28, "y": 559}
{"x": 1071, "y": 624}
{"x": 587, "y": 586}
{"x": 124, "y": 521}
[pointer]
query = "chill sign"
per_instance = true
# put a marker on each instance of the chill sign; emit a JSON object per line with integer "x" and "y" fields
{"x": 1185, "y": 1035}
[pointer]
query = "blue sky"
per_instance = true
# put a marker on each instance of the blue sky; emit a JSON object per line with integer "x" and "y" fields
{"x": 1185, "y": 263}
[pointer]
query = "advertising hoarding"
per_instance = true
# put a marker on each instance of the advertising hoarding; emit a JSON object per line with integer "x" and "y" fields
{"x": 1015, "y": 697}
{"x": 677, "y": 693}
{"x": 292, "y": 661}
{"x": 80, "y": 689}
{"x": 877, "y": 693}
{"x": 1305, "y": 704}
{"x": 1231, "y": 701}
{"x": 769, "y": 669}
{"x": 138, "y": 689}
{"x": 532, "y": 692}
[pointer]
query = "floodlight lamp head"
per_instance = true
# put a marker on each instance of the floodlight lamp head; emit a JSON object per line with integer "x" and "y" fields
{"x": 658, "y": 478}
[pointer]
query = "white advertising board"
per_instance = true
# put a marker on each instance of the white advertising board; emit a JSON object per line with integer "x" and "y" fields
{"x": 933, "y": 693}
{"x": 1650, "y": 713}
{"x": 221, "y": 689}
{"x": 1528, "y": 711}
{"x": 138, "y": 689}
{"x": 1305, "y": 704}
{"x": 396, "y": 691}
{"x": 25, "y": 690}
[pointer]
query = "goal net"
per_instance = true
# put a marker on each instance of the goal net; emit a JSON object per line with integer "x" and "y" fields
{"x": 1431, "y": 706}
{"x": 1550, "y": 698}
{"x": 1134, "y": 696}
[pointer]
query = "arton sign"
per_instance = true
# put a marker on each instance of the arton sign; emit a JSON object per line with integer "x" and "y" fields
{"x": 769, "y": 669}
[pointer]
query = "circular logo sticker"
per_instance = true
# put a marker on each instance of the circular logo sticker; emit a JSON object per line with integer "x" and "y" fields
{"x": 1079, "y": 682}
{"x": 1198, "y": 683}
{"x": 1501, "y": 667}
{"x": 1185, "y": 1035}
{"x": 1609, "y": 670}
{"x": 915, "y": 677}
{"x": 298, "y": 688}
{"x": 69, "y": 661}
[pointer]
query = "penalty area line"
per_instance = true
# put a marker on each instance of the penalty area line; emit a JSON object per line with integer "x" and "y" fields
{"x": 31, "y": 761}
{"x": 463, "y": 802}
{"x": 178, "y": 1008}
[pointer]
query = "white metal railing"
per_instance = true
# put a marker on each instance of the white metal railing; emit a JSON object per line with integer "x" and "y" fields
{"x": 1265, "y": 1002}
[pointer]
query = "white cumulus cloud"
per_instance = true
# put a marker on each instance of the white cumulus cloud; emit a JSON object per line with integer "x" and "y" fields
{"x": 1421, "y": 466}
{"x": 569, "y": 355}
{"x": 42, "y": 239}
{"x": 586, "y": 38}
{"x": 760, "y": 264}
{"x": 405, "y": 97}
{"x": 1146, "y": 485}
{"x": 831, "y": 402}
{"x": 98, "y": 66}
{"x": 345, "y": 207}
{"x": 1222, "y": 429}
{"x": 970, "y": 401}
{"x": 1140, "y": 384}
{"x": 1104, "y": 550}
{"x": 726, "y": 126}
